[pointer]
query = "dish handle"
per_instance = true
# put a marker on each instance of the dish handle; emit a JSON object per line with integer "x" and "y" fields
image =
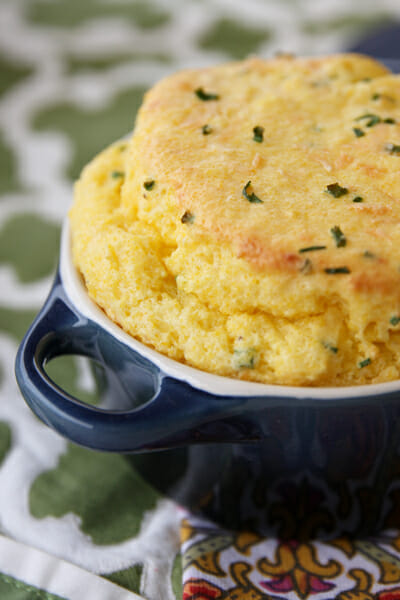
{"x": 175, "y": 414}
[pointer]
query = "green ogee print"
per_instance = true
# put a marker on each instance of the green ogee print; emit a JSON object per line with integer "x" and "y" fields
{"x": 30, "y": 244}
{"x": 91, "y": 130}
{"x": 72, "y": 13}
{"x": 103, "y": 489}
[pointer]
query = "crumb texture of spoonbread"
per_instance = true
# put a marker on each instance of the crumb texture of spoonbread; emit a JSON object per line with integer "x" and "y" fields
{"x": 250, "y": 226}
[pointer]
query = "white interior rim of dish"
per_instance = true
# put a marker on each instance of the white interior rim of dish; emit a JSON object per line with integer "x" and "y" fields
{"x": 207, "y": 382}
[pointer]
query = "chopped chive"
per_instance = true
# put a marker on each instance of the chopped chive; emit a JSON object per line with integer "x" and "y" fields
{"x": 358, "y": 199}
{"x": 395, "y": 320}
{"x": 358, "y": 132}
{"x": 337, "y": 270}
{"x": 206, "y": 129}
{"x": 258, "y": 134}
{"x": 390, "y": 121}
{"x": 251, "y": 197}
{"x": 385, "y": 96}
{"x": 392, "y": 148}
{"x": 366, "y": 116}
{"x": 368, "y": 254}
{"x": 202, "y": 95}
{"x": 306, "y": 267}
{"x": 330, "y": 347}
{"x": 336, "y": 190}
{"x": 372, "y": 119}
{"x": 364, "y": 363}
{"x": 244, "y": 359}
{"x": 338, "y": 236}
{"x": 188, "y": 217}
{"x": 117, "y": 174}
{"x": 149, "y": 184}
{"x": 311, "y": 249}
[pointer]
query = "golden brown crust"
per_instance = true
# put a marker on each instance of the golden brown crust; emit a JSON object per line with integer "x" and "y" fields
{"x": 291, "y": 169}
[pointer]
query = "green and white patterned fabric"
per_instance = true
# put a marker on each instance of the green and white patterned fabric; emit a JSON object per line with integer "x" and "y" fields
{"x": 72, "y": 74}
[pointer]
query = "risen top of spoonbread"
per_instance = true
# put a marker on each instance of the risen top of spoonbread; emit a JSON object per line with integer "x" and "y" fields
{"x": 251, "y": 225}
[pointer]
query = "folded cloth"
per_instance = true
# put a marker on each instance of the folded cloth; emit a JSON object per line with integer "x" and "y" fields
{"x": 226, "y": 565}
{"x": 29, "y": 574}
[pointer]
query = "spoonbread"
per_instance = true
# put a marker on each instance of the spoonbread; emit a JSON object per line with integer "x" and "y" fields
{"x": 250, "y": 226}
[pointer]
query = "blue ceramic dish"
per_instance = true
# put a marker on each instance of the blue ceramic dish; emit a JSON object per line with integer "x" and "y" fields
{"x": 302, "y": 461}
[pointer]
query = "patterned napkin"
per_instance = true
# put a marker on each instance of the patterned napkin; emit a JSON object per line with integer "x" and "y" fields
{"x": 72, "y": 74}
{"x": 223, "y": 565}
